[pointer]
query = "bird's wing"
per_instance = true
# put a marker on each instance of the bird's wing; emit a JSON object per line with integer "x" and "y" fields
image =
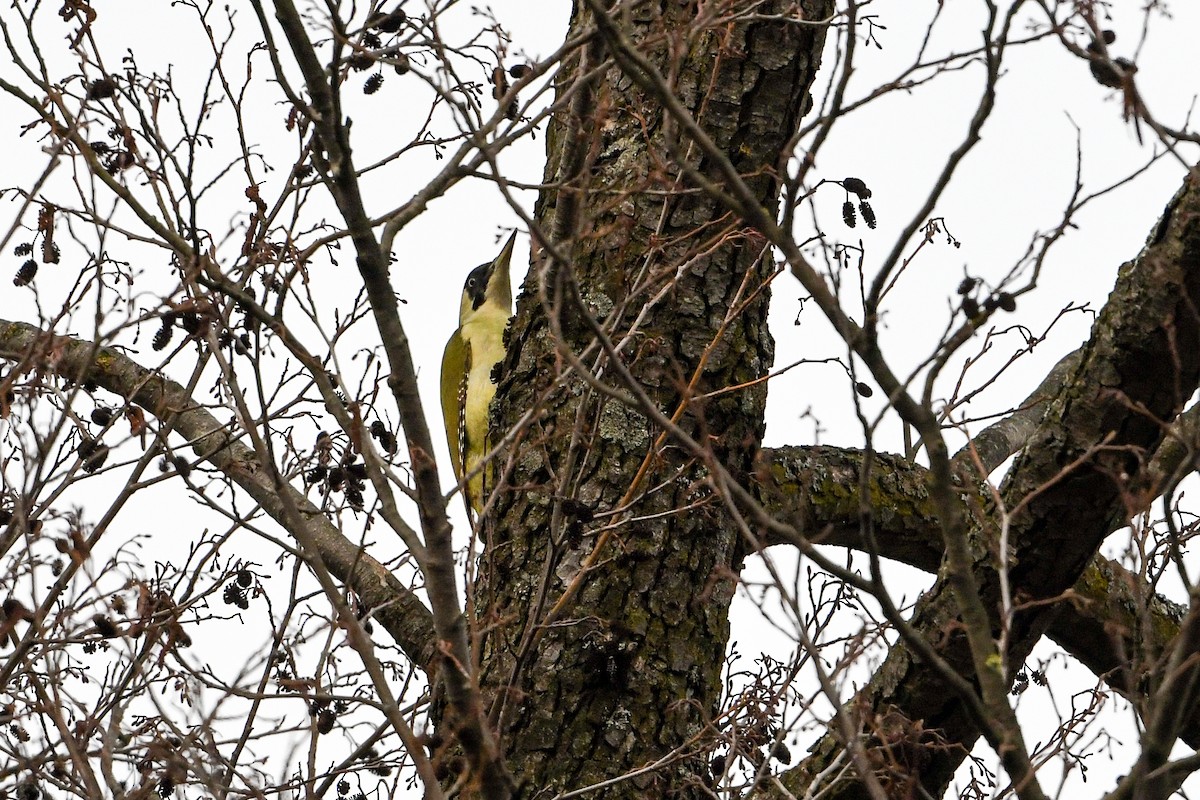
{"x": 456, "y": 368}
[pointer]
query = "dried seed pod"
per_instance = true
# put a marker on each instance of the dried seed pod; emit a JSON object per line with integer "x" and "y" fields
{"x": 970, "y": 307}
{"x": 848, "y": 214}
{"x": 1105, "y": 75}
{"x": 325, "y": 721}
{"x": 360, "y": 62}
{"x": 14, "y": 610}
{"x": 102, "y": 415}
{"x": 868, "y": 213}
{"x": 337, "y": 479}
{"x": 93, "y": 452}
{"x": 1006, "y": 302}
{"x": 119, "y": 160}
{"x": 863, "y": 389}
{"x": 966, "y": 285}
{"x": 856, "y": 186}
{"x": 390, "y": 22}
{"x": 519, "y": 71}
{"x": 401, "y": 64}
{"x": 101, "y": 88}
{"x": 163, "y": 337}
{"x": 190, "y": 321}
{"x": 385, "y": 438}
{"x": 316, "y": 475}
{"x": 372, "y": 84}
{"x": 105, "y": 627}
{"x": 499, "y": 83}
{"x": 26, "y": 273}
{"x": 234, "y": 596}
{"x": 1094, "y": 45}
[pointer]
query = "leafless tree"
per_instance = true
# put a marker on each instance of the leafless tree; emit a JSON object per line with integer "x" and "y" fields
{"x": 227, "y": 561}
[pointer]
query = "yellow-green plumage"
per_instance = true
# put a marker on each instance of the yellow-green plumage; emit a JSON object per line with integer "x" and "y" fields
{"x": 467, "y": 364}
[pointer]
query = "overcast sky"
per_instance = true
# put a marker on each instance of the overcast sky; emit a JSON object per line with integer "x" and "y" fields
{"x": 1014, "y": 184}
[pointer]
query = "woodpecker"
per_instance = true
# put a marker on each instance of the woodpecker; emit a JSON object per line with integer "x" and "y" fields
{"x": 467, "y": 365}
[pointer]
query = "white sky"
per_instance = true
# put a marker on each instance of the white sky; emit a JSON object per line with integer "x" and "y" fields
{"x": 1016, "y": 182}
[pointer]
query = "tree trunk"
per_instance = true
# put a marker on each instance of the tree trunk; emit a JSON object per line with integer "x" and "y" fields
{"x": 606, "y": 581}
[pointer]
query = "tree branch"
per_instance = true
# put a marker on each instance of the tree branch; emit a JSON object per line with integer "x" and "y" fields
{"x": 397, "y": 609}
{"x": 1101, "y": 623}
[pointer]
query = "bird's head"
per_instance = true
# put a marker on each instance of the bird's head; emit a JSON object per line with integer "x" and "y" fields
{"x": 488, "y": 284}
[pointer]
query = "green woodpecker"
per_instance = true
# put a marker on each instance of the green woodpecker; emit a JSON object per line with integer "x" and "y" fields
{"x": 471, "y": 354}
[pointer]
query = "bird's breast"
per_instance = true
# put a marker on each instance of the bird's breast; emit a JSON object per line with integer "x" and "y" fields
{"x": 485, "y": 334}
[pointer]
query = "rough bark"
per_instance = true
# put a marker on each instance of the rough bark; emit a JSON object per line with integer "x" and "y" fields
{"x": 606, "y": 637}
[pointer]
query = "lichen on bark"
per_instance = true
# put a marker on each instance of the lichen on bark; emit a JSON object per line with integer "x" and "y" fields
{"x": 627, "y": 668}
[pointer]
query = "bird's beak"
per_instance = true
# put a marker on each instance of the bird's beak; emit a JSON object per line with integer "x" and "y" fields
{"x": 505, "y": 258}
{"x": 498, "y": 286}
